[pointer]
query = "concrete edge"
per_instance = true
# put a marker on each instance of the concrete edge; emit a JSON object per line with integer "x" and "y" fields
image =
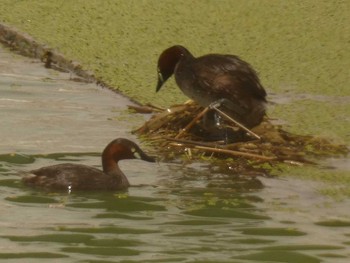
{"x": 26, "y": 45}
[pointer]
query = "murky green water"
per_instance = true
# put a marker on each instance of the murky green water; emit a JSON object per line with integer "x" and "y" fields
{"x": 174, "y": 213}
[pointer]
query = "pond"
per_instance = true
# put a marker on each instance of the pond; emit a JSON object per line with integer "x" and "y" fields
{"x": 173, "y": 212}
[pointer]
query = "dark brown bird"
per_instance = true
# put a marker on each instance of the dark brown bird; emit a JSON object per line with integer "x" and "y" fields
{"x": 213, "y": 78}
{"x": 77, "y": 177}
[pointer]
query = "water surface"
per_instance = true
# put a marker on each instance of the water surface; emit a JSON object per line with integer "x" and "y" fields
{"x": 173, "y": 212}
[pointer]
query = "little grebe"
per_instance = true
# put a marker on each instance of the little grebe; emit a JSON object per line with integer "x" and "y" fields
{"x": 69, "y": 177}
{"x": 216, "y": 78}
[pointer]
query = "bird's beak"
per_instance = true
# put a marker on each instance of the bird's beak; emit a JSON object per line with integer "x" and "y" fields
{"x": 160, "y": 81}
{"x": 159, "y": 85}
{"x": 147, "y": 158}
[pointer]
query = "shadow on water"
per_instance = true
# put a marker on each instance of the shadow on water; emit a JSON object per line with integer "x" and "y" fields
{"x": 173, "y": 212}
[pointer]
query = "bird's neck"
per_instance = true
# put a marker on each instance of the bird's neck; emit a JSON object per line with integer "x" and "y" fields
{"x": 112, "y": 169}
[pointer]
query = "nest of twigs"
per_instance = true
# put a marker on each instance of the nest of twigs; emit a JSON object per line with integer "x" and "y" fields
{"x": 169, "y": 132}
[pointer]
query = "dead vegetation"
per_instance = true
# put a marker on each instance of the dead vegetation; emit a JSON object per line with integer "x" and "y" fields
{"x": 178, "y": 132}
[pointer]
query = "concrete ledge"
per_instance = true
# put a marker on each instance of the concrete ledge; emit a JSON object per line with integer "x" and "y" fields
{"x": 27, "y": 46}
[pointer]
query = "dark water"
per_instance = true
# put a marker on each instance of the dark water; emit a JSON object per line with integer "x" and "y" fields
{"x": 173, "y": 212}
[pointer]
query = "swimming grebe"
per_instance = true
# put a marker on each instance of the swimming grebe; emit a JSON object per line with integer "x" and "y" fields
{"x": 216, "y": 78}
{"x": 73, "y": 177}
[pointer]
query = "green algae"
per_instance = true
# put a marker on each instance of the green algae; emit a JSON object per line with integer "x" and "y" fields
{"x": 288, "y": 42}
{"x": 297, "y": 47}
{"x": 324, "y": 118}
{"x": 120, "y": 41}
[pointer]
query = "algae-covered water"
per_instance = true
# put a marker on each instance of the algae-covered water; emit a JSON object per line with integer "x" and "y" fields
{"x": 298, "y": 47}
{"x": 175, "y": 212}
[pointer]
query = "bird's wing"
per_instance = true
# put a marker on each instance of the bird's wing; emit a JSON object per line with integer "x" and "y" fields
{"x": 229, "y": 75}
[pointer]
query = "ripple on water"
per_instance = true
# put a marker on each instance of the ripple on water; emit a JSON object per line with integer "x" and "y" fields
{"x": 175, "y": 214}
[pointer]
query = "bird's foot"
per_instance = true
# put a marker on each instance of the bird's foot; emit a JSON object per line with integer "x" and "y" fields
{"x": 218, "y": 103}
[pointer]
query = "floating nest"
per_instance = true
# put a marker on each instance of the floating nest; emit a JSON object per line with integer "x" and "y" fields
{"x": 178, "y": 132}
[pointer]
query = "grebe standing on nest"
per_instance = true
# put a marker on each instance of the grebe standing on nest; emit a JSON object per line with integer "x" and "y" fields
{"x": 215, "y": 78}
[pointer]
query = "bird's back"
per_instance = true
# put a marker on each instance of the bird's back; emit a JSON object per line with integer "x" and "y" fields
{"x": 68, "y": 176}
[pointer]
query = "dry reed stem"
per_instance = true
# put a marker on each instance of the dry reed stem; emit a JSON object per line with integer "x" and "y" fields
{"x": 189, "y": 126}
{"x": 199, "y": 146}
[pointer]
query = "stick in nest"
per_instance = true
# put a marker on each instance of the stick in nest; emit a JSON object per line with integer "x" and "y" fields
{"x": 193, "y": 122}
{"x": 200, "y": 146}
{"x": 235, "y": 122}
{"x": 203, "y": 112}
